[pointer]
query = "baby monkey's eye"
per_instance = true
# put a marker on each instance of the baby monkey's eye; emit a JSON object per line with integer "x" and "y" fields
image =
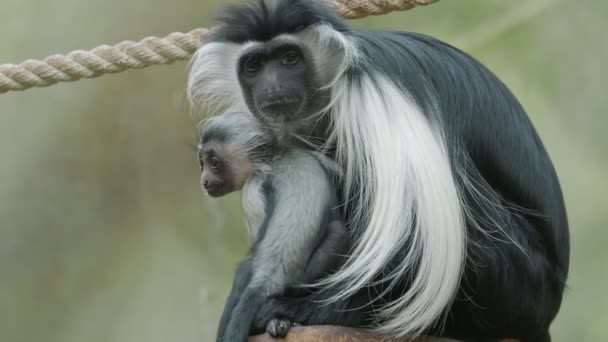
{"x": 291, "y": 58}
{"x": 201, "y": 160}
{"x": 214, "y": 163}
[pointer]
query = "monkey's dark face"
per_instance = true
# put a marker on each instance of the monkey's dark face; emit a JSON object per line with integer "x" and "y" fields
{"x": 224, "y": 168}
{"x": 279, "y": 82}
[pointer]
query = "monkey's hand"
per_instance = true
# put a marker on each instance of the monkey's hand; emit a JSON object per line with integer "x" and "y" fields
{"x": 278, "y": 327}
{"x": 312, "y": 310}
{"x": 278, "y": 314}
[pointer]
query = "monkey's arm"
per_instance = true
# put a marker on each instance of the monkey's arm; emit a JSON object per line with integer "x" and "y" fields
{"x": 327, "y": 257}
{"x": 278, "y": 313}
{"x": 329, "y": 253}
{"x": 314, "y": 309}
{"x": 299, "y": 234}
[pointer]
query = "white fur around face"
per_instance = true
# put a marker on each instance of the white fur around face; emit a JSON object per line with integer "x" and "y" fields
{"x": 213, "y": 86}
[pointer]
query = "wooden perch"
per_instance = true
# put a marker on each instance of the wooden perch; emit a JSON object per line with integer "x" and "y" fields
{"x": 341, "y": 334}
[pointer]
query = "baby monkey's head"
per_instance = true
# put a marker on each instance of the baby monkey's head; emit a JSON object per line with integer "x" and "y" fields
{"x": 231, "y": 148}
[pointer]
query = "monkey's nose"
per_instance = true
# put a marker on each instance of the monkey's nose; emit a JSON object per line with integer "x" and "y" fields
{"x": 205, "y": 183}
{"x": 273, "y": 89}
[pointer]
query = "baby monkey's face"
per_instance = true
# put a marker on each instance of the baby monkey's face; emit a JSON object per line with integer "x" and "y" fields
{"x": 224, "y": 167}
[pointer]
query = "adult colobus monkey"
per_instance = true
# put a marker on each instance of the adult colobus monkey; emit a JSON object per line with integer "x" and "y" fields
{"x": 457, "y": 214}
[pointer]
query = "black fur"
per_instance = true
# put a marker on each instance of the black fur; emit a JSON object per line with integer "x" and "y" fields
{"x": 242, "y": 277}
{"x": 262, "y": 21}
{"x": 504, "y": 292}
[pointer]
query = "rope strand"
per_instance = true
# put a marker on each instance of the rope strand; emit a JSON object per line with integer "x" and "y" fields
{"x": 177, "y": 46}
{"x": 354, "y": 9}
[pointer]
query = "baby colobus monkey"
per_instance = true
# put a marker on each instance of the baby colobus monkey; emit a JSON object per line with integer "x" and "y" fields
{"x": 291, "y": 208}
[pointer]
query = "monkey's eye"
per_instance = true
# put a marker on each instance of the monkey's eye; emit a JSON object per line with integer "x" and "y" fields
{"x": 214, "y": 163}
{"x": 201, "y": 158}
{"x": 253, "y": 64}
{"x": 291, "y": 58}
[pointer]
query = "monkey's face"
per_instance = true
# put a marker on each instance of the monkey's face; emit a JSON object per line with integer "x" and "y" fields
{"x": 224, "y": 168}
{"x": 279, "y": 82}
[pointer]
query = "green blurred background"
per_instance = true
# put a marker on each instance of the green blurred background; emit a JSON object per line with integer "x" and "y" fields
{"x": 104, "y": 233}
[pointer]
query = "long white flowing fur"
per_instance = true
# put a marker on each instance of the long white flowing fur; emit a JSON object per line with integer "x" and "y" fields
{"x": 397, "y": 178}
{"x": 398, "y": 183}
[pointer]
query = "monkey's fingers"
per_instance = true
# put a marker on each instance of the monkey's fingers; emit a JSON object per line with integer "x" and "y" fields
{"x": 278, "y": 327}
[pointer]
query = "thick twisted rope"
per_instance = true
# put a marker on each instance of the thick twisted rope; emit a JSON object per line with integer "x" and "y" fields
{"x": 353, "y": 9}
{"x": 101, "y": 60}
{"x": 176, "y": 46}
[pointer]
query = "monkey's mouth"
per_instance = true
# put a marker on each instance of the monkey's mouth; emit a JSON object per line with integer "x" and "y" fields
{"x": 216, "y": 192}
{"x": 280, "y": 103}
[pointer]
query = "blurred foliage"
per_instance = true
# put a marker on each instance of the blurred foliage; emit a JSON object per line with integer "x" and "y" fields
{"x": 104, "y": 233}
